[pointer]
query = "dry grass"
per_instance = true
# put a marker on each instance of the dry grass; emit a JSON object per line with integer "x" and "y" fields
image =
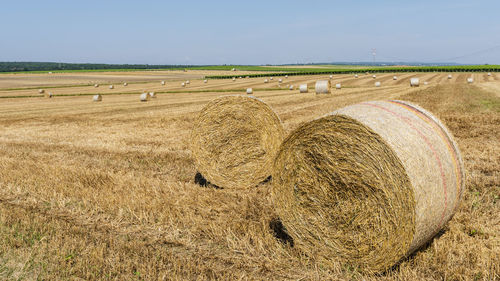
{"x": 96, "y": 191}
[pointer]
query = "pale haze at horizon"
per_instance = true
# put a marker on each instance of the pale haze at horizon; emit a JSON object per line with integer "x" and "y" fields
{"x": 251, "y": 32}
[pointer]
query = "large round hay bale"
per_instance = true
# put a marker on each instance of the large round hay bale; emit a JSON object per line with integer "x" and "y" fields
{"x": 303, "y": 88}
{"x": 111, "y": 87}
{"x": 205, "y": 81}
{"x": 183, "y": 84}
{"x": 489, "y": 73}
{"x": 368, "y": 184}
{"x": 144, "y": 97}
{"x": 426, "y": 83}
{"x": 96, "y": 85}
{"x": 249, "y": 91}
{"x": 41, "y": 91}
{"x": 356, "y": 76}
{"x": 188, "y": 82}
{"x": 97, "y": 98}
{"x": 470, "y": 80}
{"x": 270, "y": 78}
{"x": 331, "y": 76}
{"x": 152, "y": 95}
{"x": 394, "y": 77}
{"x": 377, "y": 84}
{"x": 291, "y": 87}
{"x": 163, "y": 83}
{"x": 280, "y": 80}
{"x": 266, "y": 81}
{"x": 234, "y": 79}
{"x": 449, "y": 76}
{"x": 48, "y": 95}
{"x": 338, "y": 86}
{"x": 323, "y": 87}
{"x": 374, "y": 76}
{"x": 414, "y": 82}
{"x": 234, "y": 141}
{"x": 125, "y": 84}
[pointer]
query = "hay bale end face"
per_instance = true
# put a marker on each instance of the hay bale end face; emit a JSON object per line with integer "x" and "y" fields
{"x": 145, "y": 97}
{"x": 97, "y": 98}
{"x": 414, "y": 82}
{"x": 331, "y": 76}
{"x": 280, "y": 80}
{"x": 234, "y": 141}
{"x": 323, "y": 87}
{"x": 249, "y": 91}
{"x": 303, "y": 88}
{"x": 291, "y": 87}
{"x": 270, "y": 78}
{"x": 183, "y": 84}
{"x": 368, "y": 184}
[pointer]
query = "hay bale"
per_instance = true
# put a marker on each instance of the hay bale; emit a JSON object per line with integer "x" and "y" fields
{"x": 97, "y": 98}
{"x": 414, "y": 82}
{"x": 291, "y": 87}
{"x": 338, "y": 86}
{"x": 152, "y": 95}
{"x": 234, "y": 79}
{"x": 145, "y": 97}
{"x": 125, "y": 84}
{"x": 111, "y": 87}
{"x": 249, "y": 91}
{"x": 270, "y": 78}
{"x": 331, "y": 76}
{"x": 374, "y": 76}
{"x": 356, "y": 76}
{"x": 41, "y": 91}
{"x": 286, "y": 76}
{"x": 280, "y": 80}
{"x": 303, "y": 88}
{"x": 266, "y": 81}
{"x": 394, "y": 78}
{"x": 233, "y": 69}
{"x": 377, "y": 84}
{"x": 96, "y": 85}
{"x": 368, "y": 184}
{"x": 234, "y": 141}
{"x": 449, "y": 76}
{"x": 163, "y": 83}
{"x": 188, "y": 82}
{"x": 489, "y": 73}
{"x": 183, "y": 84}
{"x": 323, "y": 87}
{"x": 470, "y": 80}
{"x": 205, "y": 81}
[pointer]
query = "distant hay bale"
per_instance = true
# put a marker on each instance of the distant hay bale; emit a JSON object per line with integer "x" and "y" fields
{"x": 280, "y": 80}
{"x": 233, "y": 69}
{"x": 367, "y": 185}
{"x": 205, "y": 81}
{"x": 240, "y": 77}
{"x": 414, "y": 82}
{"x": 41, "y": 91}
{"x": 291, "y": 87}
{"x": 323, "y": 87}
{"x": 270, "y": 78}
{"x": 394, "y": 78}
{"x": 449, "y": 76}
{"x": 374, "y": 76}
{"x": 489, "y": 73}
{"x": 183, "y": 84}
{"x": 303, "y": 88}
{"x": 163, "y": 83}
{"x": 188, "y": 82}
{"x": 125, "y": 84}
{"x": 331, "y": 76}
{"x": 286, "y": 76}
{"x": 152, "y": 95}
{"x": 145, "y": 97}
{"x": 338, "y": 86}
{"x": 266, "y": 81}
{"x": 470, "y": 80}
{"x": 356, "y": 76}
{"x": 249, "y": 91}
{"x": 377, "y": 84}
{"x": 97, "y": 98}
{"x": 234, "y": 141}
{"x": 111, "y": 86}
{"x": 96, "y": 85}
{"x": 234, "y": 79}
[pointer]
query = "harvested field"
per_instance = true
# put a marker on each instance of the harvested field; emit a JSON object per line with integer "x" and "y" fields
{"x": 106, "y": 191}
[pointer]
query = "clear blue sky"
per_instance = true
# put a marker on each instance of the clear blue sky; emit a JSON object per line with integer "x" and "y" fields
{"x": 249, "y": 32}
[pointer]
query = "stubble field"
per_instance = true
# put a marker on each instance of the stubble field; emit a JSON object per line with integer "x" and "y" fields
{"x": 106, "y": 191}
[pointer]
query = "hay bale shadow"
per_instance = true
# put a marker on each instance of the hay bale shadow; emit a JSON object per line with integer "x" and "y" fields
{"x": 279, "y": 231}
{"x": 200, "y": 180}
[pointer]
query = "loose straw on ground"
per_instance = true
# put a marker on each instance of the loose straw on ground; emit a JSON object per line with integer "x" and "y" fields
{"x": 234, "y": 141}
{"x": 368, "y": 184}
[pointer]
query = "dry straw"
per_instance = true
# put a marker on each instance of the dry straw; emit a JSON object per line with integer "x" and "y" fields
{"x": 323, "y": 87}
{"x": 414, "y": 82}
{"x": 291, "y": 87}
{"x": 303, "y": 88}
{"x": 145, "y": 97}
{"x": 97, "y": 98}
{"x": 368, "y": 184}
{"x": 234, "y": 141}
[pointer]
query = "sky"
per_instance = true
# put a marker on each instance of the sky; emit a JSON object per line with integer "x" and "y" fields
{"x": 249, "y": 32}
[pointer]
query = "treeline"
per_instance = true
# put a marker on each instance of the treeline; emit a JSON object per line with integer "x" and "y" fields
{"x": 49, "y": 66}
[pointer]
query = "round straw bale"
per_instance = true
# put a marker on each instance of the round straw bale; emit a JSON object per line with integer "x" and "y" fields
{"x": 97, "y": 98}
{"x": 368, "y": 184}
{"x": 240, "y": 77}
{"x": 205, "y": 81}
{"x": 338, "y": 86}
{"x": 377, "y": 84}
{"x": 183, "y": 84}
{"x": 111, "y": 86}
{"x": 145, "y": 97}
{"x": 152, "y": 95}
{"x": 331, "y": 76}
{"x": 266, "y": 81}
{"x": 249, "y": 91}
{"x": 394, "y": 78}
{"x": 125, "y": 84}
{"x": 470, "y": 80}
{"x": 234, "y": 79}
{"x": 489, "y": 73}
{"x": 233, "y": 69}
{"x": 162, "y": 83}
{"x": 41, "y": 91}
{"x": 286, "y": 76}
{"x": 449, "y": 76}
{"x": 303, "y": 88}
{"x": 188, "y": 82}
{"x": 270, "y": 78}
{"x": 234, "y": 141}
{"x": 291, "y": 87}
{"x": 280, "y": 80}
{"x": 356, "y": 76}
{"x": 96, "y": 85}
{"x": 374, "y": 76}
{"x": 323, "y": 87}
{"x": 414, "y": 82}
